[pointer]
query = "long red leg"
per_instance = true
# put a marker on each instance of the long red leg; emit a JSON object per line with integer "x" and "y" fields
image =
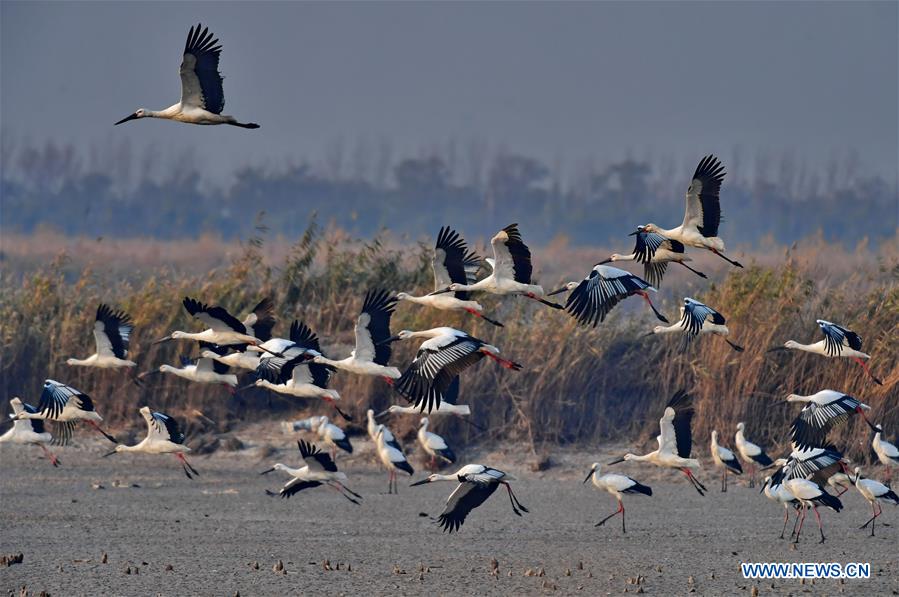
{"x": 864, "y": 366}
{"x": 820, "y": 526}
{"x": 50, "y": 456}
{"x": 504, "y": 362}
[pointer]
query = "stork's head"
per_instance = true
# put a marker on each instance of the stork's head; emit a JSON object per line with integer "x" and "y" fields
{"x": 429, "y": 479}
{"x": 423, "y": 422}
{"x": 568, "y": 286}
{"x": 275, "y": 467}
{"x": 612, "y": 258}
{"x": 740, "y": 426}
{"x": 402, "y": 296}
{"x": 795, "y": 398}
{"x": 715, "y": 436}
{"x": 648, "y": 228}
{"x": 401, "y": 335}
{"x": 139, "y": 113}
{"x": 177, "y": 335}
{"x": 791, "y": 344}
{"x": 594, "y": 469}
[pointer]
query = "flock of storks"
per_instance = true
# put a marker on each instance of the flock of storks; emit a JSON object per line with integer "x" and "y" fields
{"x": 297, "y": 366}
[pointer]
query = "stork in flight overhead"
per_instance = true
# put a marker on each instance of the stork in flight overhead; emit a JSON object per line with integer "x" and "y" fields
{"x": 838, "y": 342}
{"x": 28, "y": 431}
{"x": 697, "y": 319}
{"x": 112, "y": 333}
{"x": 202, "y": 94}
{"x": 655, "y": 252}
{"x": 512, "y": 268}
{"x": 65, "y": 406}
{"x": 452, "y": 263}
{"x": 164, "y": 436}
{"x": 703, "y": 211}
{"x": 675, "y": 441}
{"x": 605, "y": 286}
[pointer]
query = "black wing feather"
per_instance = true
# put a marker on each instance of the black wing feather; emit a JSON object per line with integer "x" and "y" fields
{"x": 457, "y": 259}
{"x": 710, "y": 173}
{"x": 380, "y": 304}
{"x": 311, "y": 451}
{"x": 204, "y": 46}
{"x": 521, "y": 254}
{"x": 462, "y": 502}
{"x": 682, "y": 403}
{"x": 118, "y": 326}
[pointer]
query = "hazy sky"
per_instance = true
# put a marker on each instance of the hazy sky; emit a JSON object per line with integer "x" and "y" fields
{"x": 562, "y": 81}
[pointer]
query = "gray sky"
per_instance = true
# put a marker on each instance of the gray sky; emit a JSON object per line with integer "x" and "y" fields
{"x": 562, "y": 81}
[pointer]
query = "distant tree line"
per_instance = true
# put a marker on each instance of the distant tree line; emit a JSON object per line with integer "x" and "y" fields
{"x": 117, "y": 195}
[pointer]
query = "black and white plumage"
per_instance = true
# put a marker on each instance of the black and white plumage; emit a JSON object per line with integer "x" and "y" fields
{"x": 697, "y": 318}
{"x": 816, "y": 464}
{"x": 28, "y": 431}
{"x": 202, "y": 93}
{"x": 822, "y": 412}
{"x": 724, "y": 459}
{"x": 874, "y": 492}
{"x": 476, "y": 483}
{"x": 838, "y": 342}
{"x": 452, "y": 263}
{"x": 655, "y": 252}
{"x": 112, "y": 334}
{"x": 65, "y": 406}
{"x": 616, "y": 485}
{"x": 434, "y": 445}
{"x": 332, "y": 435}
{"x": 752, "y": 454}
{"x": 223, "y": 328}
{"x": 887, "y": 453}
{"x": 319, "y": 469}
{"x": 605, "y": 286}
{"x": 811, "y": 495}
{"x": 391, "y": 456}
{"x": 440, "y": 359}
{"x": 164, "y": 436}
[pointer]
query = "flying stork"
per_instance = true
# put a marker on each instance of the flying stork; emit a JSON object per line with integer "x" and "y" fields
{"x": 605, "y": 286}
{"x": 372, "y": 354}
{"x": 434, "y": 445}
{"x": 65, "y": 406}
{"x": 476, "y": 483}
{"x": 675, "y": 441}
{"x": 439, "y": 360}
{"x": 725, "y": 460}
{"x": 697, "y": 319}
{"x": 391, "y": 457}
{"x": 201, "y": 370}
{"x": 838, "y": 342}
{"x": 873, "y": 491}
{"x": 511, "y": 264}
{"x": 25, "y": 431}
{"x": 224, "y": 328}
{"x": 655, "y": 252}
{"x": 822, "y": 412}
{"x": 112, "y": 332}
{"x": 202, "y": 95}
{"x": 887, "y": 453}
{"x": 319, "y": 469}
{"x": 703, "y": 211}
{"x": 452, "y": 263}
{"x": 164, "y": 436}
{"x": 615, "y": 485}
{"x": 259, "y": 324}
{"x": 752, "y": 454}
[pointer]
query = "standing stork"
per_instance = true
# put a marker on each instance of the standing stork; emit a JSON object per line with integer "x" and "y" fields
{"x": 224, "y": 329}
{"x": 703, "y": 211}
{"x": 112, "y": 332}
{"x": 655, "y": 252}
{"x": 696, "y": 319}
{"x": 887, "y": 453}
{"x": 615, "y": 485}
{"x": 512, "y": 270}
{"x": 65, "y": 406}
{"x": 725, "y": 460}
{"x": 752, "y": 454}
{"x": 822, "y": 412}
{"x": 873, "y": 491}
{"x": 164, "y": 436}
{"x": 675, "y": 441}
{"x": 202, "y": 94}
{"x": 391, "y": 457}
{"x": 811, "y": 495}
{"x": 434, "y": 445}
{"x": 452, "y": 263}
{"x": 372, "y": 354}
{"x": 319, "y": 469}
{"x": 605, "y": 286}
{"x": 838, "y": 342}
{"x": 439, "y": 360}
{"x": 333, "y": 436}
{"x": 778, "y": 493}
{"x": 25, "y": 431}
{"x": 476, "y": 483}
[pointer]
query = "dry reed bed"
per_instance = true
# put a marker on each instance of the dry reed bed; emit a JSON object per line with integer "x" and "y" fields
{"x": 578, "y": 385}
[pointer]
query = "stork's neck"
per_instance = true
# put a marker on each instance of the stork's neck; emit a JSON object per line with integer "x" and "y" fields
{"x": 438, "y": 477}
{"x": 326, "y": 361}
{"x": 81, "y": 362}
{"x": 674, "y": 327}
{"x": 631, "y": 257}
{"x": 168, "y": 113}
{"x": 431, "y": 333}
{"x": 421, "y": 300}
{"x": 817, "y": 347}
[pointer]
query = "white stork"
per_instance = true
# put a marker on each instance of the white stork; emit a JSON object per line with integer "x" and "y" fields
{"x": 259, "y": 324}
{"x": 164, "y": 436}
{"x": 811, "y": 495}
{"x": 887, "y": 453}
{"x": 202, "y": 95}
{"x": 873, "y": 491}
{"x": 655, "y": 252}
{"x": 391, "y": 457}
{"x": 725, "y": 460}
{"x": 512, "y": 270}
{"x": 752, "y": 454}
{"x": 434, "y": 445}
{"x": 224, "y": 328}
{"x": 112, "y": 332}
{"x": 373, "y": 427}
{"x": 439, "y": 360}
{"x": 65, "y": 406}
{"x": 697, "y": 319}
{"x": 332, "y": 435}
{"x": 25, "y": 431}
{"x": 838, "y": 342}
{"x": 822, "y": 412}
{"x": 615, "y": 485}
{"x": 605, "y": 286}
{"x": 778, "y": 493}
{"x": 703, "y": 211}
{"x": 201, "y": 370}
{"x": 675, "y": 441}
{"x": 372, "y": 354}
{"x": 452, "y": 263}
{"x": 476, "y": 483}
{"x": 319, "y": 469}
